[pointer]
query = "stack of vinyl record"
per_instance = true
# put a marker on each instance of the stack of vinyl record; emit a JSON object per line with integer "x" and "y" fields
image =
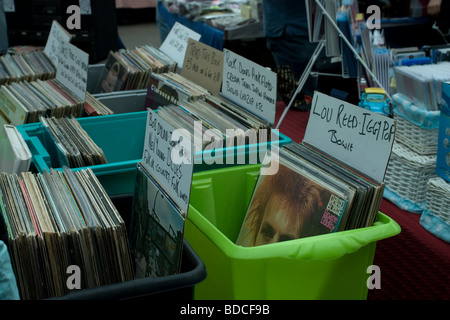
{"x": 216, "y": 116}
{"x": 246, "y": 119}
{"x": 60, "y": 219}
{"x": 172, "y": 88}
{"x": 366, "y": 193}
{"x": 130, "y": 69}
{"x": 294, "y": 199}
{"x": 75, "y": 146}
{"x": 24, "y": 102}
{"x": 182, "y": 84}
{"x": 94, "y": 107}
{"x": 26, "y": 66}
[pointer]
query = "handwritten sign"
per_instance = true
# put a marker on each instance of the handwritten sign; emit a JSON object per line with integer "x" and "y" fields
{"x": 168, "y": 158}
{"x": 203, "y": 65}
{"x": 176, "y": 42}
{"x": 355, "y": 136}
{"x": 249, "y": 85}
{"x": 72, "y": 70}
{"x": 56, "y": 37}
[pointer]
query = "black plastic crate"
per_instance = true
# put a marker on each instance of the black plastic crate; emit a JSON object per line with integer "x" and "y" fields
{"x": 179, "y": 286}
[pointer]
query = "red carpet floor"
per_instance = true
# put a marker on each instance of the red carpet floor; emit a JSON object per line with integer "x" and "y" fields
{"x": 414, "y": 265}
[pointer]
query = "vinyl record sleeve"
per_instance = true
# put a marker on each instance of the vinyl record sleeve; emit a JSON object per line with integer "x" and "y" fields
{"x": 290, "y": 204}
{"x": 157, "y": 229}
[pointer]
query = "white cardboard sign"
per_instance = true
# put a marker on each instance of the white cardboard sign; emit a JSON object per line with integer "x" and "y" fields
{"x": 249, "y": 85}
{"x": 72, "y": 70}
{"x": 355, "y": 136}
{"x": 176, "y": 42}
{"x": 168, "y": 159}
{"x": 56, "y": 37}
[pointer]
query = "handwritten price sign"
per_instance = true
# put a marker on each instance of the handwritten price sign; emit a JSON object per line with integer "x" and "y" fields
{"x": 360, "y": 138}
{"x": 203, "y": 65}
{"x": 176, "y": 42}
{"x": 249, "y": 85}
{"x": 72, "y": 72}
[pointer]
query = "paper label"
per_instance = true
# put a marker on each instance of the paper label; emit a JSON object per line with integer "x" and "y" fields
{"x": 203, "y": 65}
{"x": 72, "y": 70}
{"x": 168, "y": 158}
{"x": 355, "y": 136}
{"x": 249, "y": 85}
{"x": 176, "y": 42}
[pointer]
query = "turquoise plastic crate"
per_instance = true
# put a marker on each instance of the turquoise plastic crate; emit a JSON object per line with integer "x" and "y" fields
{"x": 121, "y": 137}
{"x": 330, "y": 266}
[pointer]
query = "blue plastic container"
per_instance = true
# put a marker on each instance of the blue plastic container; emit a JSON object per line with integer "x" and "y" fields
{"x": 121, "y": 137}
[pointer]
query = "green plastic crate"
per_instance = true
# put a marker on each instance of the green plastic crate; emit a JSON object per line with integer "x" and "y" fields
{"x": 331, "y": 266}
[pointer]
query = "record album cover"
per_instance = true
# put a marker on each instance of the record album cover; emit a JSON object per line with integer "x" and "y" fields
{"x": 157, "y": 229}
{"x": 288, "y": 205}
